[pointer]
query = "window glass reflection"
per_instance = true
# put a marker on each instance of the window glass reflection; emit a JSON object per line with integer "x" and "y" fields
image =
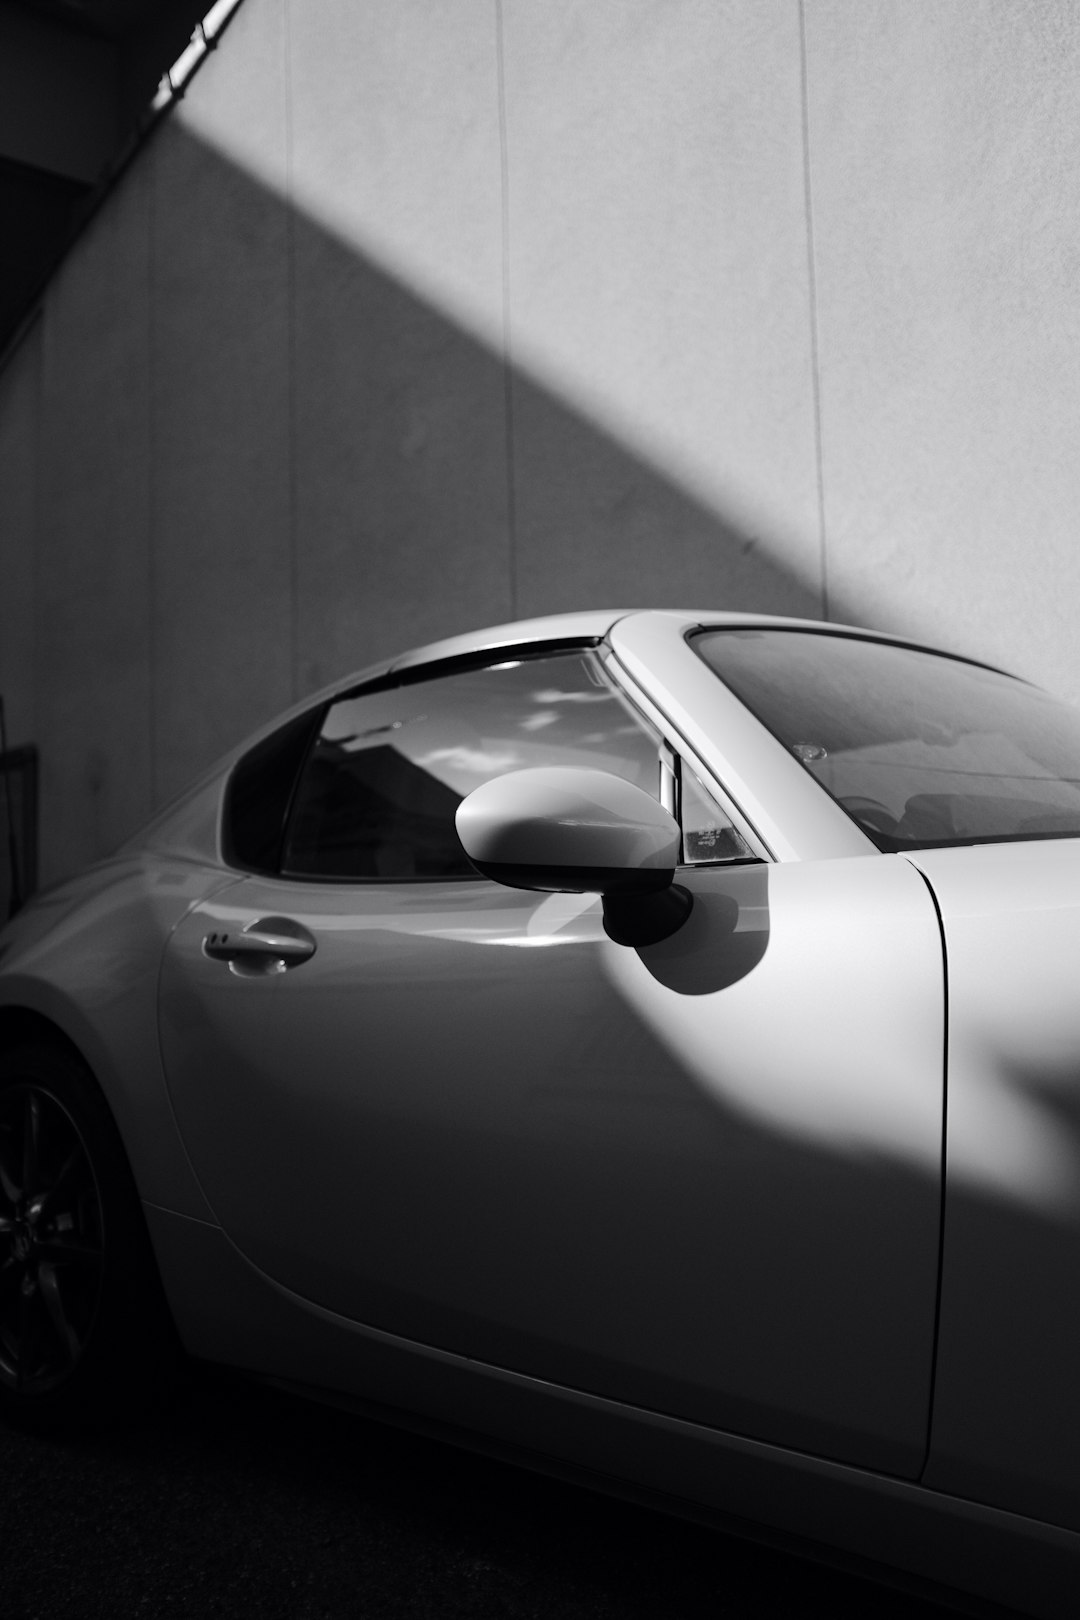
{"x": 920, "y": 749}
{"x": 378, "y": 793}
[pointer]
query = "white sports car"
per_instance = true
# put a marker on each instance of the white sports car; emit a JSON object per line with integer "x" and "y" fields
{"x": 646, "y": 1041}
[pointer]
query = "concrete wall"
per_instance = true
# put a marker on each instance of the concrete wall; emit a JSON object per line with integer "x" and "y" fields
{"x": 416, "y": 317}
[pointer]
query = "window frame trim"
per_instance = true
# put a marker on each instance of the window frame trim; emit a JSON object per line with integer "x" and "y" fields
{"x": 686, "y": 755}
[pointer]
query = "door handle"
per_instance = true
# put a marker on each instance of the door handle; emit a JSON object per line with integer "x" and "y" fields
{"x": 270, "y": 945}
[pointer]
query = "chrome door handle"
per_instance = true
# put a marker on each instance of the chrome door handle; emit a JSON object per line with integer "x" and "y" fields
{"x": 270, "y": 945}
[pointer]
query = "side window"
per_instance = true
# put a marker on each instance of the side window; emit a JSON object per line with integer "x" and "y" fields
{"x": 379, "y": 789}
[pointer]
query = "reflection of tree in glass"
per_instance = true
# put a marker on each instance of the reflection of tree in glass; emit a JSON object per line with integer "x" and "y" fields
{"x": 478, "y": 763}
{"x": 552, "y": 695}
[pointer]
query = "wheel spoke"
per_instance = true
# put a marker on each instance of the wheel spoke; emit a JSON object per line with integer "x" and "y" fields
{"x": 9, "y": 1347}
{"x": 31, "y": 1140}
{"x": 54, "y": 1306}
{"x": 9, "y": 1184}
{"x": 44, "y": 1201}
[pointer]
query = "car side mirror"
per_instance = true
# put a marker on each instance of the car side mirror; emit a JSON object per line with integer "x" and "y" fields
{"x": 569, "y": 830}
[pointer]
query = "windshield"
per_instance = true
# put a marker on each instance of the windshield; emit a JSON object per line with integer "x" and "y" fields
{"x": 920, "y": 749}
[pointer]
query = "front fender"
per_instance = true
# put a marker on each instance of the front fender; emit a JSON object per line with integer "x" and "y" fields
{"x": 84, "y": 958}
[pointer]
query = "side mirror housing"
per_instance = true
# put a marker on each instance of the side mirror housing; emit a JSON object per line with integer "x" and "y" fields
{"x": 570, "y": 830}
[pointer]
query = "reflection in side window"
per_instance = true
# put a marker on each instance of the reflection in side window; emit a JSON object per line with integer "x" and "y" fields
{"x": 377, "y": 796}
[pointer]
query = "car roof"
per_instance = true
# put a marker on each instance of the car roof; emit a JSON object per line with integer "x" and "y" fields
{"x": 594, "y": 625}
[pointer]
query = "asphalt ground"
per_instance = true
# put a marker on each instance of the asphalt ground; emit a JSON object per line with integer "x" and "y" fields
{"x": 244, "y": 1501}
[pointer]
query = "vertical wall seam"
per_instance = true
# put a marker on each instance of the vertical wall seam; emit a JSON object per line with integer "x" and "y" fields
{"x": 811, "y": 268}
{"x": 151, "y": 477}
{"x": 508, "y": 358}
{"x": 290, "y": 358}
{"x": 37, "y": 538}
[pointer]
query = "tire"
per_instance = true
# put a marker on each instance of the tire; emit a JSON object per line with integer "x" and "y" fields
{"x": 85, "y": 1335}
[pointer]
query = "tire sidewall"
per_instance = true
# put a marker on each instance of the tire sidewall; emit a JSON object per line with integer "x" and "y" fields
{"x": 130, "y": 1350}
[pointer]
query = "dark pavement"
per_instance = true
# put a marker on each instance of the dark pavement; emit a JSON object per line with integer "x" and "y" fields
{"x": 244, "y": 1501}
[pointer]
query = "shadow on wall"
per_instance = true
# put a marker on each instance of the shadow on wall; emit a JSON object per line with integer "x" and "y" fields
{"x": 417, "y": 510}
{"x": 337, "y": 471}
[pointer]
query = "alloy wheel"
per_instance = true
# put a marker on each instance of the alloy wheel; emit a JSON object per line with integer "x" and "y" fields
{"x": 51, "y": 1240}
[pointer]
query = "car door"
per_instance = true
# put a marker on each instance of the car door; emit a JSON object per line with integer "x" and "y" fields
{"x": 1007, "y": 1405}
{"x": 702, "y": 1177}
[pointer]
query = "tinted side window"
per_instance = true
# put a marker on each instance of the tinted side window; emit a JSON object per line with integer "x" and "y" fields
{"x": 380, "y": 787}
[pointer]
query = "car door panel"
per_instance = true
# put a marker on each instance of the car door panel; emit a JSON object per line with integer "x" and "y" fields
{"x": 702, "y": 1178}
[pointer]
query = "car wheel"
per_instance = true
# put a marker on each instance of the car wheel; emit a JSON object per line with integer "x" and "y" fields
{"x": 85, "y": 1336}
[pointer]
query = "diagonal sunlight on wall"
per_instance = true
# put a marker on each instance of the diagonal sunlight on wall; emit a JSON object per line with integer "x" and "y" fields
{"x": 330, "y": 471}
{"x": 264, "y": 463}
{"x": 577, "y": 223}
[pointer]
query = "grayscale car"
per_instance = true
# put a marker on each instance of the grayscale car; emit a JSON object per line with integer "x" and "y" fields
{"x": 648, "y": 1042}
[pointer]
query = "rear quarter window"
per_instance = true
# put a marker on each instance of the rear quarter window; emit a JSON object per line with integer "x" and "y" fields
{"x": 259, "y": 793}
